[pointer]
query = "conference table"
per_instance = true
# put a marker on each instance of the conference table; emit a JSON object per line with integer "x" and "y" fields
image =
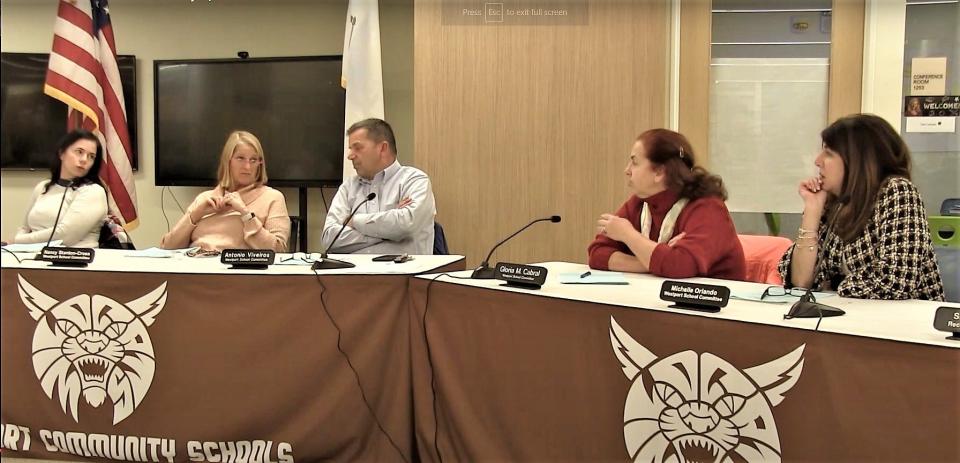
{"x": 574, "y": 372}
{"x": 182, "y": 359}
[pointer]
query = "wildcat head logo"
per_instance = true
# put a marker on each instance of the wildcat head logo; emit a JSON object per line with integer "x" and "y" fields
{"x": 94, "y": 346}
{"x": 699, "y": 408}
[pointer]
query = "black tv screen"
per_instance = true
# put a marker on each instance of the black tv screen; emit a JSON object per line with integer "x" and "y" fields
{"x": 293, "y": 105}
{"x": 32, "y": 122}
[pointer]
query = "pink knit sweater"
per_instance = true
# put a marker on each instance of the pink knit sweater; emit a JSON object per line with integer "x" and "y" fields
{"x": 270, "y": 229}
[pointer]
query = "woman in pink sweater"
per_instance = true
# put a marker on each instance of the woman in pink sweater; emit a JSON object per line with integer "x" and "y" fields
{"x": 241, "y": 212}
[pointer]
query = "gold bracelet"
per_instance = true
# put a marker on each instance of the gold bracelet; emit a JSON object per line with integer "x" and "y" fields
{"x": 190, "y": 219}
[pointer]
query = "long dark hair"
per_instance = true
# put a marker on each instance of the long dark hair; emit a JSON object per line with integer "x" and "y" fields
{"x": 673, "y": 152}
{"x": 92, "y": 176}
{"x": 871, "y": 152}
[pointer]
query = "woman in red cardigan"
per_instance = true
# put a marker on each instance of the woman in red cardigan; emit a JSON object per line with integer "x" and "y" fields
{"x": 676, "y": 224}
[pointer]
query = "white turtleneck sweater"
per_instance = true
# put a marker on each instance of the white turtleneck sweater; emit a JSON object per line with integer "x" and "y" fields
{"x": 84, "y": 211}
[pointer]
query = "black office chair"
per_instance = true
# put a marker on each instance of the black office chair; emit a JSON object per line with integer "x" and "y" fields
{"x": 950, "y": 206}
{"x": 296, "y": 227}
{"x": 439, "y": 241}
{"x": 114, "y": 236}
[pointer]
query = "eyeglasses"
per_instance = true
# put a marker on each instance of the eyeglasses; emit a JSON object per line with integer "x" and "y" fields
{"x": 775, "y": 291}
{"x": 305, "y": 257}
{"x": 244, "y": 160}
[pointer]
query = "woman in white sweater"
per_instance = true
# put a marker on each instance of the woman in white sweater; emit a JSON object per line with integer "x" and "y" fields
{"x": 74, "y": 180}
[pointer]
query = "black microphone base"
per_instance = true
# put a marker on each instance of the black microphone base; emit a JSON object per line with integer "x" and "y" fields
{"x": 331, "y": 264}
{"x": 483, "y": 272}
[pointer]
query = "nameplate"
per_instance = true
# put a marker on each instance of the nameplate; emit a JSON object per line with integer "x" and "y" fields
{"x": 253, "y": 259}
{"x": 948, "y": 319}
{"x": 521, "y": 276}
{"x": 695, "y": 296}
{"x": 67, "y": 257}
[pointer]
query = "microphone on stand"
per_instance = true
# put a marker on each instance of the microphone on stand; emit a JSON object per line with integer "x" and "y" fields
{"x": 484, "y": 271}
{"x": 327, "y": 264}
{"x": 66, "y": 184}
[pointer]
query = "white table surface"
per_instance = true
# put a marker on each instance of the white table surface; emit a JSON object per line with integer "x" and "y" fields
{"x": 114, "y": 260}
{"x": 906, "y": 321}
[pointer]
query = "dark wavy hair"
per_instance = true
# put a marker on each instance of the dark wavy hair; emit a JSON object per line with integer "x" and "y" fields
{"x": 93, "y": 175}
{"x": 673, "y": 152}
{"x": 872, "y": 152}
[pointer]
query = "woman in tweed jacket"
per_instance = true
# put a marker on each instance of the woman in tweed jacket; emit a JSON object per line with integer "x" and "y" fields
{"x": 864, "y": 228}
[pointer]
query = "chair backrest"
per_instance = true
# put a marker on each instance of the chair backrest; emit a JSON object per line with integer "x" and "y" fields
{"x": 293, "y": 243}
{"x": 762, "y": 254}
{"x": 950, "y": 206}
{"x": 113, "y": 235}
{"x": 439, "y": 240}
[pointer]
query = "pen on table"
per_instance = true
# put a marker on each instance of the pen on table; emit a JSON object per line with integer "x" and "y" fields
{"x": 585, "y": 274}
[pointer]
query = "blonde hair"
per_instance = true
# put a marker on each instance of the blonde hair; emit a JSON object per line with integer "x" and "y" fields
{"x": 235, "y": 138}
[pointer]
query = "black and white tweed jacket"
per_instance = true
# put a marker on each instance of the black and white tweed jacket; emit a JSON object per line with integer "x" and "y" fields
{"x": 893, "y": 258}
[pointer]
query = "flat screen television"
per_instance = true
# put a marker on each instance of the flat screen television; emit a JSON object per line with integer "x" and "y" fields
{"x": 293, "y": 105}
{"x": 32, "y": 122}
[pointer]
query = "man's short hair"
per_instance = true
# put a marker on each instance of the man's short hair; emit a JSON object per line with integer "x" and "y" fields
{"x": 378, "y": 130}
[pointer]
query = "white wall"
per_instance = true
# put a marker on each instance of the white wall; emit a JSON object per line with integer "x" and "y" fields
{"x": 179, "y": 29}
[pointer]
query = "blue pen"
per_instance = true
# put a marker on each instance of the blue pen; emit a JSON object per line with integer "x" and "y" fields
{"x": 585, "y": 274}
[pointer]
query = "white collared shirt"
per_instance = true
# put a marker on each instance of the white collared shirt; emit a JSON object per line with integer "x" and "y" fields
{"x": 379, "y": 227}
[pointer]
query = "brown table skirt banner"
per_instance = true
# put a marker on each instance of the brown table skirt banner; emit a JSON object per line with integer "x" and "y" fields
{"x": 178, "y": 367}
{"x": 521, "y": 377}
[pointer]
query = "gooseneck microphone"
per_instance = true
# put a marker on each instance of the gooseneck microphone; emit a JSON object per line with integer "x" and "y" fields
{"x": 66, "y": 184}
{"x": 326, "y": 264}
{"x": 484, "y": 271}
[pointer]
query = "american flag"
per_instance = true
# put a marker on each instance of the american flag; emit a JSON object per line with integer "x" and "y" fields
{"x": 83, "y": 74}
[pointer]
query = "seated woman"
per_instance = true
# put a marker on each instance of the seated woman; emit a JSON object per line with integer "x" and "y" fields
{"x": 676, "y": 224}
{"x": 241, "y": 212}
{"x": 864, "y": 228}
{"x": 74, "y": 182}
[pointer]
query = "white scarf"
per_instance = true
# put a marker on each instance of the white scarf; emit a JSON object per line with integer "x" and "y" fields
{"x": 669, "y": 221}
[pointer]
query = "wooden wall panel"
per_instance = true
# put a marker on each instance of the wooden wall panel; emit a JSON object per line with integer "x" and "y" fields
{"x": 846, "y": 58}
{"x": 695, "y": 30}
{"x": 515, "y": 122}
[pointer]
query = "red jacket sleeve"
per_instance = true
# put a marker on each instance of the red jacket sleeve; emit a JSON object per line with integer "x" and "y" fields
{"x": 710, "y": 238}
{"x": 602, "y": 247}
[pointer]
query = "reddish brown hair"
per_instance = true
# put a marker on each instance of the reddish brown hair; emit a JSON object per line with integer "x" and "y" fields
{"x": 672, "y": 151}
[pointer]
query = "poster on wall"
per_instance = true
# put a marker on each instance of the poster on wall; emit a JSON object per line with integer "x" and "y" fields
{"x": 931, "y": 114}
{"x": 931, "y": 106}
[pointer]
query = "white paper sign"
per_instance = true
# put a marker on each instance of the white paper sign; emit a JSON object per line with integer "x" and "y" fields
{"x": 932, "y": 124}
{"x": 929, "y": 76}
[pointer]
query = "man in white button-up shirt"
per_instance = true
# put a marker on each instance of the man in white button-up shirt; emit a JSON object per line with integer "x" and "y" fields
{"x": 400, "y": 219}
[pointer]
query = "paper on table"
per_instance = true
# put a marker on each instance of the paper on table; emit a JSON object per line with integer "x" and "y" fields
{"x": 151, "y": 252}
{"x": 595, "y": 277}
{"x": 32, "y": 247}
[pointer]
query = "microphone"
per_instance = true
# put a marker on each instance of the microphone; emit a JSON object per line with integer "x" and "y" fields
{"x": 484, "y": 271}
{"x": 66, "y": 184}
{"x": 326, "y": 264}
